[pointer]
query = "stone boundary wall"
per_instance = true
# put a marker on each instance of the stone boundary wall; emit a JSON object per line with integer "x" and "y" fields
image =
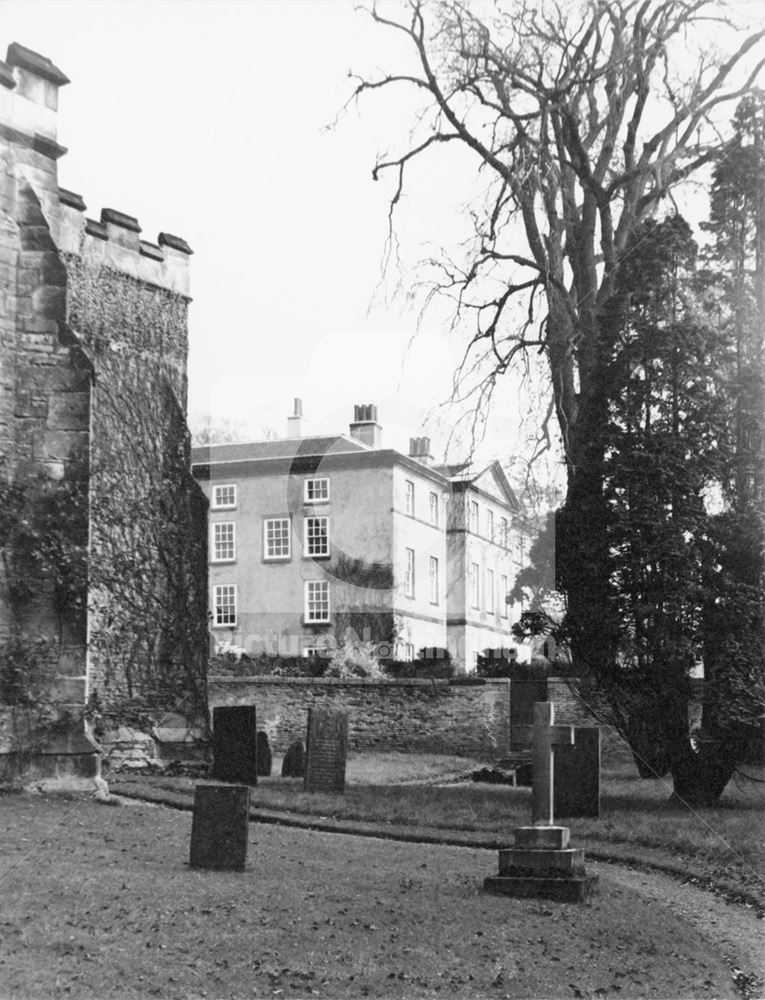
{"x": 408, "y": 715}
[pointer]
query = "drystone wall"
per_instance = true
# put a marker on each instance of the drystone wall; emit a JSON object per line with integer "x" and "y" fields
{"x": 405, "y": 715}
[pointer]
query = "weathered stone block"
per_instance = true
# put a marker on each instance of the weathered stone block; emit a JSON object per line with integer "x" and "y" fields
{"x": 539, "y": 837}
{"x": 220, "y": 827}
{"x": 69, "y": 690}
{"x": 516, "y": 861}
{"x": 576, "y": 771}
{"x": 326, "y": 751}
{"x": 564, "y": 890}
{"x": 235, "y": 744}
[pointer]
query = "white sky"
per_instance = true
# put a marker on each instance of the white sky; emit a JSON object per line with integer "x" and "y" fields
{"x": 208, "y": 120}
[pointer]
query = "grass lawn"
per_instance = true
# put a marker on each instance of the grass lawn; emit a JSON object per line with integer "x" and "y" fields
{"x": 726, "y": 842}
{"x": 99, "y": 902}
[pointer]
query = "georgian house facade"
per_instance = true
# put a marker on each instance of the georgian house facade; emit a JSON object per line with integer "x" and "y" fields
{"x": 313, "y": 535}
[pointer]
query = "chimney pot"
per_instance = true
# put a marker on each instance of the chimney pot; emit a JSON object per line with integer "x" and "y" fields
{"x": 365, "y": 427}
{"x": 295, "y": 420}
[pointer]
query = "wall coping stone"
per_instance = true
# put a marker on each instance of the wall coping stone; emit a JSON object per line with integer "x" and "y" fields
{"x": 120, "y": 219}
{"x": 151, "y": 250}
{"x": 71, "y": 199}
{"x": 94, "y": 228}
{"x": 175, "y": 243}
{"x": 392, "y": 682}
{"x": 7, "y": 79}
{"x": 24, "y": 58}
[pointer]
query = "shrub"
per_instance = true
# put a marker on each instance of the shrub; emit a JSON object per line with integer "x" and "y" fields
{"x": 431, "y": 663}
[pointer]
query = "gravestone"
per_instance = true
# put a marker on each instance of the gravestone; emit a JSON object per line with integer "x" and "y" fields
{"x": 293, "y": 765}
{"x": 523, "y": 696}
{"x": 541, "y": 864}
{"x": 326, "y": 748}
{"x": 264, "y": 760}
{"x": 219, "y": 827}
{"x": 576, "y": 785}
{"x": 235, "y": 751}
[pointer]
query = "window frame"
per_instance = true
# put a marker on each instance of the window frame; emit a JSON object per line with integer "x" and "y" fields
{"x": 473, "y": 517}
{"x": 315, "y": 500}
{"x": 490, "y": 525}
{"x": 215, "y": 599}
{"x": 504, "y": 586}
{"x": 216, "y": 503}
{"x": 489, "y": 592}
{"x": 504, "y": 532}
{"x": 409, "y": 500}
{"x": 409, "y": 574}
{"x": 281, "y": 557}
{"x": 215, "y": 526}
{"x": 433, "y": 510}
{"x": 434, "y": 582}
{"x": 307, "y": 554}
{"x": 307, "y": 588}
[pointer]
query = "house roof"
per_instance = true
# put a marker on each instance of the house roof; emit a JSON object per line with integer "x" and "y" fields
{"x": 212, "y": 454}
{"x": 491, "y": 481}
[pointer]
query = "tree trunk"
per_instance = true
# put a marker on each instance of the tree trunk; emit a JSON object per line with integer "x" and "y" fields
{"x": 700, "y": 776}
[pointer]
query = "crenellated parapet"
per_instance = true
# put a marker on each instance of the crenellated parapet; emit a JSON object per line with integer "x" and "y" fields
{"x": 29, "y": 94}
{"x": 115, "y": 241}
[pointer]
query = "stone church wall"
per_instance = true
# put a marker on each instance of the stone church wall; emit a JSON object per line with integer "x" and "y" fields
{"x": 94, "y": 450}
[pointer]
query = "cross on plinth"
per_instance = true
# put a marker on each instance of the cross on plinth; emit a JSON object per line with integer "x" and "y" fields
{"x": 544, "y": 735}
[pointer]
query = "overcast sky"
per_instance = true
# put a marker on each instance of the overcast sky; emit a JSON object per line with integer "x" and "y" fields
{"x": 209, "y": 120}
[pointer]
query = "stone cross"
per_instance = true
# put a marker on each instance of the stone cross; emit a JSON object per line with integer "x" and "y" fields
{"x": 544, "y": 735}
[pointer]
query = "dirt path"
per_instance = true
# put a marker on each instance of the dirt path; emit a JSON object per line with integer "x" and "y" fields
{"x": 734, "y": 931}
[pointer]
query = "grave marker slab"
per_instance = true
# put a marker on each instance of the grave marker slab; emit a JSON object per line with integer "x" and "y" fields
{"x": 326, "y": 750}
{"x": 576, "y": 785}
{"x": 264, "y": 758}
{"x": 235, "y": 751}
{"x": 523, "y": 696}
{"x": 293, "y": 765}
{"x": 219, "y": 827}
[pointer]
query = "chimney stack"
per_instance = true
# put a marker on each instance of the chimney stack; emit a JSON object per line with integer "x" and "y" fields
{"x": 365, "y": 427}
{"x": 419, "y": 449}
{"x": 295, "y": 421}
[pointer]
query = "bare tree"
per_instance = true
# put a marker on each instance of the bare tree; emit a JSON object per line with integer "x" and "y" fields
{"x": 581, "y": 128}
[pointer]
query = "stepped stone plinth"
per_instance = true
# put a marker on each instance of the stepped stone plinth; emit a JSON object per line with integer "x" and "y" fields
{"x": 541, "y": 863}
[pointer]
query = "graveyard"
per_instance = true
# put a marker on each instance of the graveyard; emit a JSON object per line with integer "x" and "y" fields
{"x": 323, "y": 871}
{"x": 101, "y": 901}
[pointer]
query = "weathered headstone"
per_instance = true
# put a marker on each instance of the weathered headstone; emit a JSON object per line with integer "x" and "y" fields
{"x": 541, "y": 863}
{"x": 576, "y": 785}
{"x": 523, "y": 696}
{"x": 264, "y": 760}
{"x": 326, "y": 750}
{"x": 293, "y": 765}
{"x": 235, "y": 750}
{"x": 219, "y": 827}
